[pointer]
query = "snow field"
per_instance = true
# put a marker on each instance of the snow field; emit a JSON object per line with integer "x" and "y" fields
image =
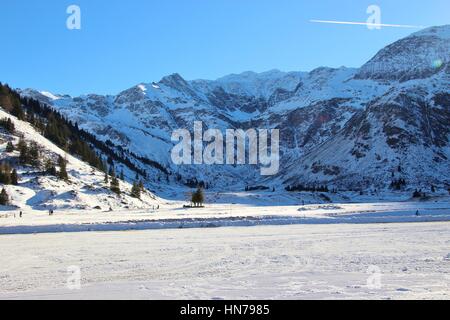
{"x": 266, "y": 262}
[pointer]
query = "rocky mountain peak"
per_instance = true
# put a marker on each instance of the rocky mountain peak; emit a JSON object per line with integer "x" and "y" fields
{"x": 418, "y": 56}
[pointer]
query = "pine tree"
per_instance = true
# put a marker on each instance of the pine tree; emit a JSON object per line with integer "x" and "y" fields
{"x": 115, "y": 185}
{"x": 198, "y": 197}
{"x": 34, "y": 154}
{"x": 201, "y": 196}
{"x": 4, "y": 198}
{"x": 18, "y": 112}
{"x": 417, "y": 194}
{"x": 136, "y": 191}
{"x": 23, "y": 149}
{"x": 9, "y": 147}
{"x": 7, "y": 124}
{"x": 5, "y": 173}
{"x": 14, "y": 177}
{"x": 10, "y": 125}
{"x": 50, "y": 168}
{"x": 62, "y": 163}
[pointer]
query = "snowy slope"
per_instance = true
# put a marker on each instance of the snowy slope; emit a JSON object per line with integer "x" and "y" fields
{"x": 85, "y": 190}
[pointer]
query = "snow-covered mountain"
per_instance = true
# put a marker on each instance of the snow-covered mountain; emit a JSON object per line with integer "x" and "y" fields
{"x": 352, "y": 128}
{"x": 418, "y": 56}
{"x": 37, "y": 190}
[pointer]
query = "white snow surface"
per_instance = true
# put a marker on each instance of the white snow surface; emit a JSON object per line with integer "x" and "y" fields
{"x": 229, "y": 210}
{"x": 393, "y": 261}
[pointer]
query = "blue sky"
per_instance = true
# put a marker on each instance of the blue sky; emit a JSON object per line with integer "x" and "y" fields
{"x": 123, "y": 43}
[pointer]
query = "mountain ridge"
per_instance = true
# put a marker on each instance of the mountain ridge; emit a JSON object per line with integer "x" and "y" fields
{"x": 310, "y": 109}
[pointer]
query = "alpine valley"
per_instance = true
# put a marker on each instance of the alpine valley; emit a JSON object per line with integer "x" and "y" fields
{"x": 380, "y": 127}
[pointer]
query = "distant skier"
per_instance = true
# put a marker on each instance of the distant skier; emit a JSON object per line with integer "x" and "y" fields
{"x": 417, "y": 213}
{"x": 20, "y": 214}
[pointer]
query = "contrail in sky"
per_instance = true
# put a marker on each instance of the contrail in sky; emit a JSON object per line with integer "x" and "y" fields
{"x": 369, "y": 24}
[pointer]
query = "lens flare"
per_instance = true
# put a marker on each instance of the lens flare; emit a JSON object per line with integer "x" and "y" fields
{"x": 437, "y": 63}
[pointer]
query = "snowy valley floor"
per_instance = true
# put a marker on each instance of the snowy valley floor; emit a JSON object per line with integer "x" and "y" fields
{"x": 172, "y": 215}
{"x": 264, "y": 262}
{"x": 369, "y": 250}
